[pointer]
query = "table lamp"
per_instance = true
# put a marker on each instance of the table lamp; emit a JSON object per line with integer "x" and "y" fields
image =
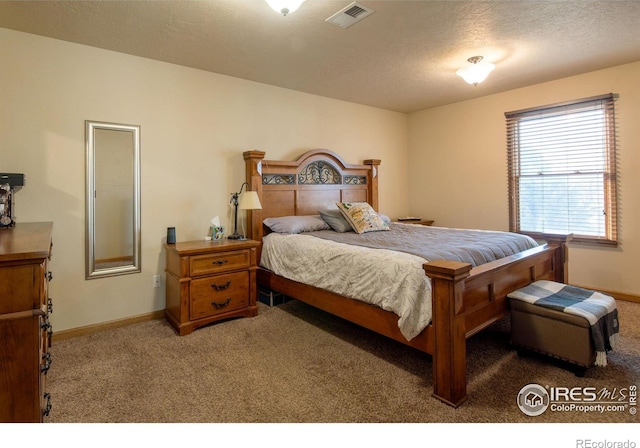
{"x": 247, "y": 201}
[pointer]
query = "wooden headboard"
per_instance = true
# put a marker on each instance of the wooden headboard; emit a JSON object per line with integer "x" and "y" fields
{"x": 315, "y": 181}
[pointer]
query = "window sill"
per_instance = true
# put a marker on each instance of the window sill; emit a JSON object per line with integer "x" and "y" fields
{"x": 582, "y": 240}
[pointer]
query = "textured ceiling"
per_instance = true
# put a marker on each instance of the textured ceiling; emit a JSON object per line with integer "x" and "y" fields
{"x": 402, "y": 58}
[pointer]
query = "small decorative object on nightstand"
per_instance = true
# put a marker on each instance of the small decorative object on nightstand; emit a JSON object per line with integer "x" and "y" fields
{"x": 209, "y": 281}
{"x": 171, "y": 235}
{"x": 415, "y": 220}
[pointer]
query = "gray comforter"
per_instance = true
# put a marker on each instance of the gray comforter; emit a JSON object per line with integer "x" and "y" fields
{"x": 438, "y": 243}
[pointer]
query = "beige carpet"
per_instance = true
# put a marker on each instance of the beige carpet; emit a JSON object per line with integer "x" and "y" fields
{"x": 293, "y": 363}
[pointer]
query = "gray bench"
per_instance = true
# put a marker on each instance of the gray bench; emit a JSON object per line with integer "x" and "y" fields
{"x": 553, "y": 333}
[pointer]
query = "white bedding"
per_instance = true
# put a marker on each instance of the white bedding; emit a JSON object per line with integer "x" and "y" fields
{"x": 394, "y": 281}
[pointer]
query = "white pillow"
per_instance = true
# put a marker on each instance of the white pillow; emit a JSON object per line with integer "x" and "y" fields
{"x": 336, "y": 220}
{"x": 296, "y": 224}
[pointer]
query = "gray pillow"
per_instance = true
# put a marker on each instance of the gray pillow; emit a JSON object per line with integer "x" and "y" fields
{"x": 335, "y": 219}
{"x": 296, "y": 224}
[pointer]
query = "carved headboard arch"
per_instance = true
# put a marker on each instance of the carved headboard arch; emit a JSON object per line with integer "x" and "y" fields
{"x": 314, "y": 181}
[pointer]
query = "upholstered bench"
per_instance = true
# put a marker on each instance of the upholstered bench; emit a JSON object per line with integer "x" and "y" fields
{"x": 572, "y": 324}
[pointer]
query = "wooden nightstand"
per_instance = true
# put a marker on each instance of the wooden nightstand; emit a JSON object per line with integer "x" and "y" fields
{"x": 209, "y": 281}
{"x": 422, "y": 222}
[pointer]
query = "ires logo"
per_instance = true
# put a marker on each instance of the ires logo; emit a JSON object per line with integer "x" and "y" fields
{"x": 534, "y": 399}
{"x": 573, "y": 395}
{"x": 586, "y": 394}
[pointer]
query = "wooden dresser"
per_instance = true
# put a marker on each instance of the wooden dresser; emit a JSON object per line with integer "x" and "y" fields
{"x": 208, "y": 281}
{"x": 25, "y": 330}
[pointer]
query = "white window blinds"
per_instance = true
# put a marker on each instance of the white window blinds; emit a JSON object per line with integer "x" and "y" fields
{"x": 562, "y": 169}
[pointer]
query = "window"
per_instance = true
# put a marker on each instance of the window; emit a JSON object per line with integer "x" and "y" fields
{"x": 562, "y": 170}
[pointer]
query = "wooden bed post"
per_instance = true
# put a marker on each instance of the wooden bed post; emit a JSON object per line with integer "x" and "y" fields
{"x": 449, "y": 358}
{"x": 372, "y": 187}
{"x": 253, "y": 163}
{"x": 562, "y": 256}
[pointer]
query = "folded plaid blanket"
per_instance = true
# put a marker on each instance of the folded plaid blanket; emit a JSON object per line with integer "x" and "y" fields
{"x": 597, "y": 308}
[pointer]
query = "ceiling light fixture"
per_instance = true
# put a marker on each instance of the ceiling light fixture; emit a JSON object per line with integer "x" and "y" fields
{"x": 284, "y": 6}
{"x": 477, "y": 72}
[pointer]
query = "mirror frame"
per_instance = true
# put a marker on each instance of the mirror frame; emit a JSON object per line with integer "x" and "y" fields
{"x": 90, "y": 235}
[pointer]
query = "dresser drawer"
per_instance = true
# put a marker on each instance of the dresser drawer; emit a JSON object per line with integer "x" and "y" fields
{"x": 20, "y": 354}
{"x": 45, "y": 364}
{"x": 219, "y": 294}
{"x": 220, "y": 262}
{"x": 26, "y": 295}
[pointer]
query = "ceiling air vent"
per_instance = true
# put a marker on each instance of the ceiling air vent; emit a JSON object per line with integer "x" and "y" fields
{"x": 350, "y": 15}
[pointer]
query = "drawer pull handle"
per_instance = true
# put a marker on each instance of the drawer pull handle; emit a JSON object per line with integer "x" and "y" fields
{"x": 47, "y": 363}
{"x": 49, "y": 275}
{"x": 50, "y": 305}
{"x": 221, "y": 262}
{"x": 221, "y": 287}
{"x": 47, "y": 408}
{"x": 221, "y": 305}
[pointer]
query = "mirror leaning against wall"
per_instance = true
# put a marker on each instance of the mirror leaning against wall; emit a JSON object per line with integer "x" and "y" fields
{"x": 112, "y": 199}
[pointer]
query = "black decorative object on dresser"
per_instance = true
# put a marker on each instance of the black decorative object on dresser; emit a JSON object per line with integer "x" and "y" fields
{"x": 25, "y": 329}
{"x": 209, "y": 281}
{"x": 9, "y": 184}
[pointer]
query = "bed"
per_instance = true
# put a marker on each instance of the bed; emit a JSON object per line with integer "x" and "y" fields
{"x": 465, "y": 299}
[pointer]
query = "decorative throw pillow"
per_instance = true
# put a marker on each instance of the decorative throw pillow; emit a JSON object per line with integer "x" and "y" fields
{"x": 362, "y": 217}
{"x": 335, "y": 219}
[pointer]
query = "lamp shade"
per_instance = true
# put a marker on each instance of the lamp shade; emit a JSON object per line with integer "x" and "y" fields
{"x": 477, "y": 71}
{"x": 284, "y": 6}
{"x": 249, "y": 201}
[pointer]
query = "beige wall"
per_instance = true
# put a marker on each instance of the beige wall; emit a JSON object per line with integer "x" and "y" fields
{"x": 194, "y": 127}
{"x": 458, "y": 168}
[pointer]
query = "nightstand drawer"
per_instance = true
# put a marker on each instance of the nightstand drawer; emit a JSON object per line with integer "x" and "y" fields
{"x": 219, "y": 294}
{"x": 220, "y": 262}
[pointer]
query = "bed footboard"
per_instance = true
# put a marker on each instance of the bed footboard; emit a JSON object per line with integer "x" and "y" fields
{"x": 466, "y": 300}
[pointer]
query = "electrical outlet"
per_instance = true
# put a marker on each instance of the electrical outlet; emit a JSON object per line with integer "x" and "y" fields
{"x": 156, "y": 281}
